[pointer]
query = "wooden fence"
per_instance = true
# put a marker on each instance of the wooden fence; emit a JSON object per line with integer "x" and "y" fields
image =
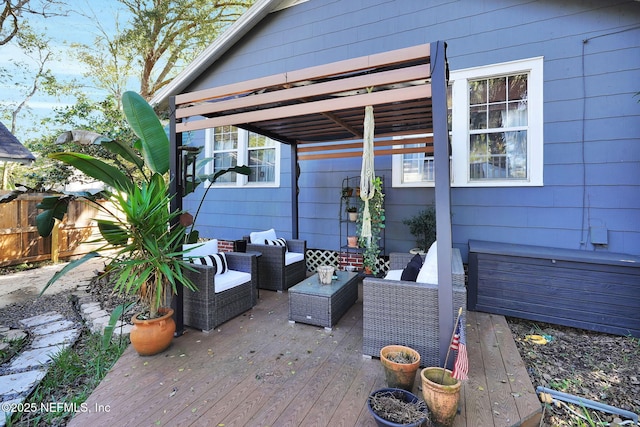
{"x": 20, "y": 241}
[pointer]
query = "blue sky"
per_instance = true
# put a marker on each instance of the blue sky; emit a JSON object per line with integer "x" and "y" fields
{"x": 63, "y": 31}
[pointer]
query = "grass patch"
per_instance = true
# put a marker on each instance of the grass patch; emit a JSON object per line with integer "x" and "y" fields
{"x": 73, "y": 375}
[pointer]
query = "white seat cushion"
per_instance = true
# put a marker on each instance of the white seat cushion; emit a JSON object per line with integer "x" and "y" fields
{"x": 291, "y": 257}
{"x": 201, "y": 249}
{"x": 230, "y": 279}
{"x": 429, "y": 271}
{"x": 393, "y": 275}
{"x": 258, "y": 237}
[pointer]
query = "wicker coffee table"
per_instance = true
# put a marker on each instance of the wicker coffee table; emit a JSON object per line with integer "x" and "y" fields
{"x": 322, "y": 305}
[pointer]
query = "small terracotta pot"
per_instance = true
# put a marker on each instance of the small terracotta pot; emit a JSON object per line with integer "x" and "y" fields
{"x": 441, "y": 394}
{"x": 352, "y": 241}
{"x": 399, "y": 375}
{"x": 152, "y": 336}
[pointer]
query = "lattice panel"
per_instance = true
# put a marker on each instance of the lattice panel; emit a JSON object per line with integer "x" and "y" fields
{"x": 316, "y": 257}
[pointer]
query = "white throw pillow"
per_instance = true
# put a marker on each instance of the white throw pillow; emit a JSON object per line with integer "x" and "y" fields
{"x": 258, "y": 237}
{"x": 201, "y": 249}
{"x": 429, "y": 271}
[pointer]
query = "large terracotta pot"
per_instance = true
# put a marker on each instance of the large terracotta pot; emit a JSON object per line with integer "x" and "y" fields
{"x": 441, "y": 394}
{"x": 399, "y": 375}
{"x": 152, "y": 336}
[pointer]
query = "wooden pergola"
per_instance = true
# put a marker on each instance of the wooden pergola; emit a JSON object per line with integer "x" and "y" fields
{"x": 319, "y": 112}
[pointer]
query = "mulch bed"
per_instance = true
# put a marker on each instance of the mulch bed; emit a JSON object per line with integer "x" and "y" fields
{"x": 590, "y": 365}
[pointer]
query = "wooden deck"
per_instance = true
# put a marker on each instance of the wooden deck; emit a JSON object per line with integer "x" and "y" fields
{"x": 260, "y": 370}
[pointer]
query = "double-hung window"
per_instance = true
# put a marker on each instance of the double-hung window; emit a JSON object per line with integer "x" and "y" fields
{"x": 496, "y": 129}
{"x": 228, "y": 146}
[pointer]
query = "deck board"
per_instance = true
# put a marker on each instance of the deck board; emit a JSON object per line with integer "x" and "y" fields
{"x": 260, "y": 370}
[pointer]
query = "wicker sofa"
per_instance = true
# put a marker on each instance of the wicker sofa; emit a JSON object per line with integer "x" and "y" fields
{"x": 274, "y": 273}
{"x": 406, "y": 313}
{"x": 206, "y": 309}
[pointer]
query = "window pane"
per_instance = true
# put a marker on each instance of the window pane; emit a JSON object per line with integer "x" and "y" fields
{"x": 498, "y": 89}
{"x": 477, "y": 92}
{"x": 225, "y": 138}
{"x": 478, "y": 117}
{"x": 496, "y": 149}
{"x": 497, "y": 114}
{"x": 262, "y": 163}
{"x": 518, "y": 87}
{"x": 416, "y": 167}
{"x": 257, "y": 141}
{"x": 225, "y": 161}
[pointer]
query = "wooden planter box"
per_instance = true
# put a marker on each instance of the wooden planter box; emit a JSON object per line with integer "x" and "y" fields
{"x": 599, "y": 291}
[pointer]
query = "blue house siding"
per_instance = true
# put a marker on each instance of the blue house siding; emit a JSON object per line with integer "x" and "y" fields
{"x": 591, "y": 118}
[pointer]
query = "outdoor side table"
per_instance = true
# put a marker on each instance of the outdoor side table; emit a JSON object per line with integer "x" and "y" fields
{"x": 322, "y": 305}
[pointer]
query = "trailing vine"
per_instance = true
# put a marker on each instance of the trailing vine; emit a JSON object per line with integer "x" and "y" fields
{"x": 371, "y": 246}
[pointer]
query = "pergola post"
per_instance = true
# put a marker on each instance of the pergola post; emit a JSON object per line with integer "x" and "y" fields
{"x": 442, "y": 193}
{"x": 294, "y": 191}
{"x": 175, "y": 190}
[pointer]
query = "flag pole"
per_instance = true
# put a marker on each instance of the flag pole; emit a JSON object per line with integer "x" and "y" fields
{"x": 453, "y": 334}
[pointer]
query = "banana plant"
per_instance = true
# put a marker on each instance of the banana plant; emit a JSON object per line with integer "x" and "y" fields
{"x": 142, "y": 234}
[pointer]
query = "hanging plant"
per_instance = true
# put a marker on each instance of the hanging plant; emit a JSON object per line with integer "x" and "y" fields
{"x": 371, "y": 246}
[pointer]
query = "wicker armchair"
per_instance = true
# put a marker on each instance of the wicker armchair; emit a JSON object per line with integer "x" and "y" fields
{"x": 206, "y": 309}
{"x": 273, "y": 272}
{"x": 406, "y": 313}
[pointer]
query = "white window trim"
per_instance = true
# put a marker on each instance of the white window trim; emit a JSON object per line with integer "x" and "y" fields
{"x": 243, "y": 153}
{"x": 460, "y": 131}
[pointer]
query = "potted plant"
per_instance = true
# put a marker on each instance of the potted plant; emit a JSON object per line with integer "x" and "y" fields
{"x": 423, "y": 227}
{"x": 397, "y": 407}
{"x": 353, "y": 213}
{"x": 440, "y": 389}
{"x": 142, "y": 238}
{"x": 400, "y": 365}
{"x": 371, "y": 245}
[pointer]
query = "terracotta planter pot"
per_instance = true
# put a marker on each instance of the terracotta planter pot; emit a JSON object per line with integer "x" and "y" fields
{"x": 153, "y": 336}
{"x": 441, "y": 396}
{"x": 399, "y": 375}
{"x": 353, "y": 216}
{"x": 352, "y": 241}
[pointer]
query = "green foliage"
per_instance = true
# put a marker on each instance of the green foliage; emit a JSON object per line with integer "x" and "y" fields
{"x": 78, "y": 370}
{"x": 371, "y": 246}
{"x": 145, "y": 234}
{"x": 423, "y": 227}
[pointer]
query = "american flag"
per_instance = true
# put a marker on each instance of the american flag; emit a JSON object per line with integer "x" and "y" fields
{"x": 461, "y": 365}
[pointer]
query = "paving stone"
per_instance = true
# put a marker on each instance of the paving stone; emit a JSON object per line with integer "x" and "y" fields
{"x": 98, "y": 314}
{"x": 53, "y": 327}
{"x": 124, "y": 330}
{"x": 63, "y": 337}
{"x": 49, "y": 317}
{"x": 36, "y": 358}
{"x": 98, "y": 325}
{"x": 4, "y": 328}
{"x": 20, "y": 383}
{"x": 91, "y": 309}
{"x": 4, "y": 346}
{"x": 14, "y": 334}
{"x": 89, "y": 304}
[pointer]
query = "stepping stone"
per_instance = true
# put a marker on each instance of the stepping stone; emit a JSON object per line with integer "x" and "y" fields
{"x": 84, "y": 306}
{"x": 4, "y": 346}
{"x": 53, "y": 327}
{"x": 35, "y": 358}
{"x": 98, "y": 314}
{"x": 4, "y": 328}
{"x": 49, "y": 317}
{"x": 63, "y": 337}
{"x": 91, "y": 309}
{"x": 14, "y": 334}
{"x": 21, "y": 383}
